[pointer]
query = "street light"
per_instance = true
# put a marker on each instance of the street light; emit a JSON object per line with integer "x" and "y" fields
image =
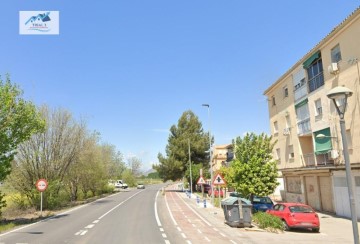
{"x": 211, "y": 169}
{"x": 339, "y": 95}
{"x": 190, "y": 170}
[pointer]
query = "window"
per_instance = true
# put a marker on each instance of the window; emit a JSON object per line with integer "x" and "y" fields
{"x": 287, "y": 121}
{"x": 318, "y": 108}
{"x": 286, "y": 91}
{"x": 273, "y": 100}
{"x": 276, "y": 127}
{"x": 335, "y": 54}
{"x": 278, "y": 155}
{"x": 291, "y": 152}
{"x": 315, "y": 73}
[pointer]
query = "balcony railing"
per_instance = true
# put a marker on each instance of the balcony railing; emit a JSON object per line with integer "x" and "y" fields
{"x": 300, "y": 92}
{"x": 321, "y": 160}
{"x": 309, "y": 159}
{"x": 304, "y": 126}
{"x": 316, "y": 82}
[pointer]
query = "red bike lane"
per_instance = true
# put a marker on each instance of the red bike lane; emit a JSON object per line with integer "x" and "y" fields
{"x": 190, "y": 224}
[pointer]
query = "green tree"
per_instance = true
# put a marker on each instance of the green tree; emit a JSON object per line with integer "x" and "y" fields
{"x": 195, "y": 173}
{"x": 253, "y": 172}
{"x": 19, "y": 119}
{"x": 174, "y": 165}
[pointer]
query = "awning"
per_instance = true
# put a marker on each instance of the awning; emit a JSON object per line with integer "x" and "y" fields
{"x": 302, "y": 103}
{"x": 322, "y": 143}
{"x": 310, "y": 60}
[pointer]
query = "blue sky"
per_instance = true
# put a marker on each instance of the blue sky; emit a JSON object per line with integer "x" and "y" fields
{"x": 131, "y": 68}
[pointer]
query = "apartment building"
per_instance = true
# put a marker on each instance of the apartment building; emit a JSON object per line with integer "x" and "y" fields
{"x": 222, "y": 155}
{"x": 305, "y": 123}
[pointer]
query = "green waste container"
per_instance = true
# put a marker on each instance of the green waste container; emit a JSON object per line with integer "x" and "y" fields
{"x": 237, "y": 215}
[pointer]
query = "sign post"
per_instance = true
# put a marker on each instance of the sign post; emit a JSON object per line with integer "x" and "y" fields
{"x": 41, "y": 186}
{"x": 201, "y": 182}
{"x": 219, "y": 181}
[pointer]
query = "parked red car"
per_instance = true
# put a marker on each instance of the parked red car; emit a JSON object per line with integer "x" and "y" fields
{"x": 296, "y": 215}
{"x": 216, "y": 192}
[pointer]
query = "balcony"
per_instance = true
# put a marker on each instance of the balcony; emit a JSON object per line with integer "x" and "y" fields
{"x": 316, "y": 82}
{"x": 300, "y": 91}
{"x": 304, "y": 127}
{"x": 321, "y": 160}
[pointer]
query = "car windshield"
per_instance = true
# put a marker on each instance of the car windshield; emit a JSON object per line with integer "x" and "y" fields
{"x": 264, "y": 200}
{"x": 301, "y": 209}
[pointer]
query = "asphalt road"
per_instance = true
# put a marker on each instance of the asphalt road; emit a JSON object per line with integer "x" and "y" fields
{"x": 125, "y": 217}
{"x": 150, "y": 216}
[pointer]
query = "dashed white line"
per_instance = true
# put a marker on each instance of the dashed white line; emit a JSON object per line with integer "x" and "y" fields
{"x": 179, "y": 229}
{"x": 222, "y": 234}
{"x": 84, "y": 232}
{"x": 195, "y": 212}
{"x": 215, "y": 229}
{"x": 89, "y": 226}
{"x": 183, "y": 235}
{"x": 102, "y": 216}
{"x": 167, "y": 242}
{"x": 96, "y": 221}
{"x": 232, "y": 241}
{"x": 188, "y": 242}
{"x": 207, "y": 239}
{"x": 163, "y": 235}
{"x": 198, "y": 230}
{"x": 161, "y": 229}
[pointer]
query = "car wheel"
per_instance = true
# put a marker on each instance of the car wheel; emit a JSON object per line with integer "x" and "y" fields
{"x": 286, "y": 226}
{"x": 316, "y": 230}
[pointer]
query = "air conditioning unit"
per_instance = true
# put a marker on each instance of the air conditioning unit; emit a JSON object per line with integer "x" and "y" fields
{"x": 333, "y": 154}
{"x": 333, "y": 68}
{"x": 286, "y": 131}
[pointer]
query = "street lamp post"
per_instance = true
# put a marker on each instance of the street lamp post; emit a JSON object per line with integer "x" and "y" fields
{"x": 339, "y": 96}
{"x": 190, "y": 169}
{"x": 211, "y": 169}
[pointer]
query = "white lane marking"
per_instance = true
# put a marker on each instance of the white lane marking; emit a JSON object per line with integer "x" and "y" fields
{"x": 161, "y": 229}
{"x": 206, "y": 238}
{"x": 102, "y": 216}
{"x": 215, "y": 229}
{"x": 232, "y": 241}
{"x": 222, "y": 234}
{"x": 171, "y": 216}
{"x": 183, "y": 235}
{"x": 89, "y": 226}
{"x": 179, "y": 229}
{"x": 78, "y": 233}
{"x": 156, "y": 212}
{"x": 84, "y": 232}
{"x": 193, "y": 225}
{"x": 194, "y": 211}
{"x": 167, "y": 242}
{"x": 96, "y": 221}
{"x": 188, "y": 242}
{"x": 199, "y": 231}
{"x": 163, "y": 235}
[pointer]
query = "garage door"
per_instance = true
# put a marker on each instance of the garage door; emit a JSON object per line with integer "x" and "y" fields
{"x": 326, "y": 194}
{"x": 311, "y": 191}
{"x": 342, "y": 204}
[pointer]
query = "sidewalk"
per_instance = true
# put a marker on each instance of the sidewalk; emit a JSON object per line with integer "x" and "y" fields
{"x": 333, "y": 229}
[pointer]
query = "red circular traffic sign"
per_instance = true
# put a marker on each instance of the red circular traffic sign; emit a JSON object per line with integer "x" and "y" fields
{"x": 41, "y": 184}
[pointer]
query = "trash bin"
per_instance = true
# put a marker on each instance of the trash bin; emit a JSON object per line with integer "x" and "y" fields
{"x": 237, "y": 215}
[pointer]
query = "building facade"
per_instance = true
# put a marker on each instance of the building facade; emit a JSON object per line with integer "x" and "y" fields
{"x": 222, "y": 155}
{"x": 305, "y": 123}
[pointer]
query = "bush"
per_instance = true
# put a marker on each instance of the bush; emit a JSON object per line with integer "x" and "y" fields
{"x": 268, "y": 221}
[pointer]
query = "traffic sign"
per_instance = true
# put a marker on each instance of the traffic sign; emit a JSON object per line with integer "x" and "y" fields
{"x": 219, "y": 180}
{"x": 41, "y": 185}
{"x": 201, "y": 181}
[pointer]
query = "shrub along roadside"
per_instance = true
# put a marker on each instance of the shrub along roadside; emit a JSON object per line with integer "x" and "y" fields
{"x": 268, "y": 222}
